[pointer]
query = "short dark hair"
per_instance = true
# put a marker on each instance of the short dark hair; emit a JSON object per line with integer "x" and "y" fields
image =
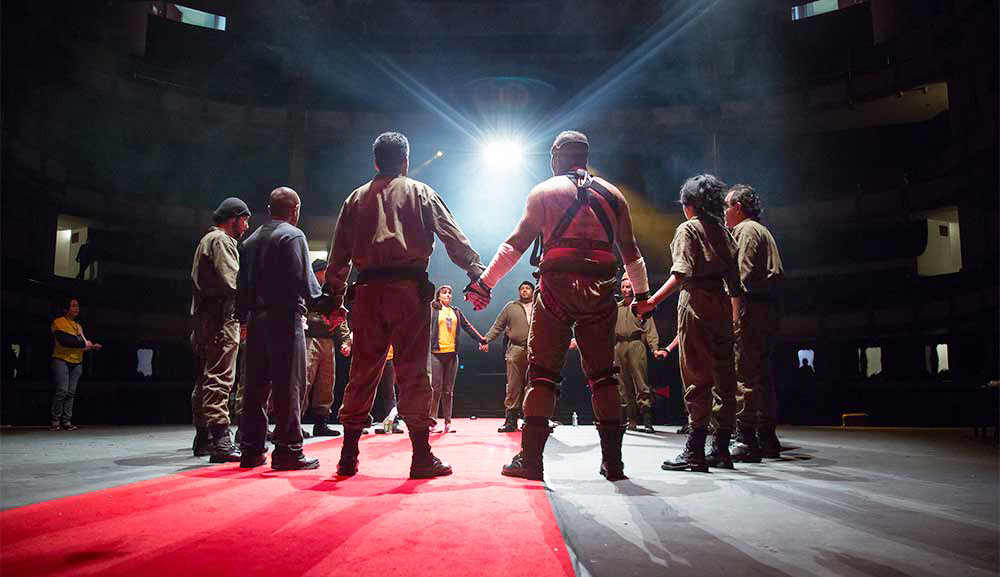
{"x": 748, "y": 199}
{"x": 704, "y": 194}
{"x": 66, "y": 302}
{"x": 391, "y": 149}
{"x": 527, "y": 282}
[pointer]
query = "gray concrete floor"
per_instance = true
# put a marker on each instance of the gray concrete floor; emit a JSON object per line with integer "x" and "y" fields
{"x": 855, "y": 502}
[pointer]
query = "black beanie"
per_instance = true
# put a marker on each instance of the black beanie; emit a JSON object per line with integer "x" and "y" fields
{"x": 229, "y": 208}
{"x": 319, "y": 264}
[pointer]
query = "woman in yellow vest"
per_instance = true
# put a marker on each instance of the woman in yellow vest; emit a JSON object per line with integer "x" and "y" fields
{"x": 67, "y": 363}
{"x": 445, "y": 321}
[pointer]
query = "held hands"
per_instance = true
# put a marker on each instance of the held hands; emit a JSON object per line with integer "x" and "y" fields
{"x": 345, "y": 348}
{"x": 478, "y": 294}
{"x": 335, "y": 317}
{"x": 484, "y": 347}
{"x": 572, "y": 344}
{"x": 661, "y": 354}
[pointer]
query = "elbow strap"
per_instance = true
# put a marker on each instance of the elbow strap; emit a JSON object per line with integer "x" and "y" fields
{"x": 636, "y": 271}
{"x": 504, "y": 260}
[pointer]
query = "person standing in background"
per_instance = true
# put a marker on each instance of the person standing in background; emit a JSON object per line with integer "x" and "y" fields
{"x": 67, "y": 363}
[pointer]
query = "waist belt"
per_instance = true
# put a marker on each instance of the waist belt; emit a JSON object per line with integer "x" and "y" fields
{"x": 628, "y": 338}
{"x": 392, "y": 273}
{"x": 707, "y": 283}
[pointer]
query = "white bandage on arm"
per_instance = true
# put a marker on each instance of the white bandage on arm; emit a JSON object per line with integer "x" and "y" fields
{"x": 636, "y": 271}
{"x": 504, "y": 260}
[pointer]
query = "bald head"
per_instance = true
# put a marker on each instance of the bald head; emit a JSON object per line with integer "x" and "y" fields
{"x": 569, "y": 150}
{"x": 285, "y": 205}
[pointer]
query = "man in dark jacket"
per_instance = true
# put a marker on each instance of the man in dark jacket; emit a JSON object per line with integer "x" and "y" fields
{"x": 275, "y": 282}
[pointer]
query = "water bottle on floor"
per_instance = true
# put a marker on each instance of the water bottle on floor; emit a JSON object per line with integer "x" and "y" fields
{"x": 575, "y": 419}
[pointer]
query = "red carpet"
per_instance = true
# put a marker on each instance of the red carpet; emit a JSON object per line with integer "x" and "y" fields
{"x": 224, "y": 520}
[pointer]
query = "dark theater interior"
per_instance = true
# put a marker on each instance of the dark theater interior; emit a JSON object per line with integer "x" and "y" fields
{"x": 868, "y": 129}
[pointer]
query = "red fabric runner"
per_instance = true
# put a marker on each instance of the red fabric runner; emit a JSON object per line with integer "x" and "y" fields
{"x": 223, "y": 520}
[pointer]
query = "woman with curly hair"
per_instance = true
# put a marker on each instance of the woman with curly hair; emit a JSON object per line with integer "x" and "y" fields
{"x": 705, "y": 272}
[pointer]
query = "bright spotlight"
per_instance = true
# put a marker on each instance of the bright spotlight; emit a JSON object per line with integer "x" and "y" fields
{"x": 502, "y": 154}
{"x": 439, "y": 154}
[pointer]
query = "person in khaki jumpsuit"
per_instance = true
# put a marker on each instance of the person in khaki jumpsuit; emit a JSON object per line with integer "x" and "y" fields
{"x": 632, "y": 336}
{"x": 217, "y": 331}
{"x": 704, "y": 270}
{"x": 321, "y": 362}
{"x": 513, "y": 321}
{"x": 581, "y": 219}
{"x": 386, "y": 229}
{"x": 759, "y": 319}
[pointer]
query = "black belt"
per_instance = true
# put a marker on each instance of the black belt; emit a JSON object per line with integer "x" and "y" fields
{"x": 628, "y": 338}
{"x": 392, "y": 273}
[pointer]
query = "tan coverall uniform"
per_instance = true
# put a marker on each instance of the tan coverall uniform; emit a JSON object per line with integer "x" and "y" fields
{"x": 386, "y": 229}
{"x": 761, "y": 271}
{"x": 216, "y": 332}
{"x": 704, "y": 253}
{"x": 513, "y": 322}
{"x": 632, "y": 337}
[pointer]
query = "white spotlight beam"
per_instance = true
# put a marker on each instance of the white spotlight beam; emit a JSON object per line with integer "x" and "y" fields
{"x": 615, "y": 78}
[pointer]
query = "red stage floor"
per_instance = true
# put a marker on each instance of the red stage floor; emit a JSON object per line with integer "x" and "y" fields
{"x": 224, "y": 520}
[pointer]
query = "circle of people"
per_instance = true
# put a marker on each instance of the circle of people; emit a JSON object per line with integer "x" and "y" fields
{"x": 288, "y": 313}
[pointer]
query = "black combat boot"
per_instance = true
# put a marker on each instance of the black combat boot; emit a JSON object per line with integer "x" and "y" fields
{"x": 510, "y": 423}
{"x": 693, "y": 456}
{"x": 770, "y": 447}
{"x": 611, "y": 434}
{"x": 292, "y": 461}
{"x": 348, "y": 465}
{"x": 746, "y": 449}
{"x": 424, "y": 464}
{"x": 528, "y": 463}
{"x": 647, "y": 421}
{"x": 202, "y": 445}
{"x": 684, "y": 430}
{"x": 320, "y": 428}
{"x": 718, "y": 452}
{"x": 222, "y": 449}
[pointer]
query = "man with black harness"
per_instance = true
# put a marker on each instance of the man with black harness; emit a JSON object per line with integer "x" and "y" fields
{"x": 386, "y": 229}
{"x": 579, "y": 220}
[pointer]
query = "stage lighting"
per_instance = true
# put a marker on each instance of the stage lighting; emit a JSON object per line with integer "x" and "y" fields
{"x": 502, "y": 154}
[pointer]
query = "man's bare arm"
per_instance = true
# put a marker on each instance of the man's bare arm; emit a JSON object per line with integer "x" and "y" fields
{"x": 635, "y": 266}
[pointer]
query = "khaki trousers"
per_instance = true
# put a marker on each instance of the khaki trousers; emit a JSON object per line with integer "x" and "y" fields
{"x": 217, "y": 364}
{"x": 705, "y": 327}
{"x": 633, "y": 386}
{"x": 387, "y": 312}
{"x": 321, "y": 366}
{"x": 755, "y": 337}
{"x": 517, "y": 373}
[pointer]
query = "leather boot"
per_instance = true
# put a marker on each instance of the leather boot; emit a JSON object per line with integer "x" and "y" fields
{"x": 693, "y": 456}
{"x": 528, "y": 463}
{"x": 348, "y": 465}
{"x": 222, "y": 448}
{"x": 633, "y": 424}
{"x": 320, "y": 428}
{"x": 611, "y": 434}
{"x": 292, "y": 462}
{"x": 746, "y": 449}
{"x": 684, "y": 430}
{"x": 202, "y": 444}
{"x": 510, "y": 423}
{"x": 770, "y": 447}
{"x": 424, "y": 464}
{"x": 647, "y": 421}
{"x": 718, "y": 452}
